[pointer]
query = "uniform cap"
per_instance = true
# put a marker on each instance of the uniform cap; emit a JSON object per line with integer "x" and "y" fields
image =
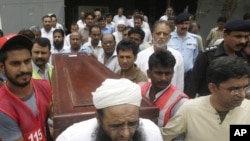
{"x": 182, "y": 17}
{"x": 237, "y": 25}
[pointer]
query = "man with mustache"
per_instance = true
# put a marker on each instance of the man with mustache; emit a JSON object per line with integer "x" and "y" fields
{"x": 73, "y": 28}
{"x": 161, "y": 34}
{"x": 236, "y": 36}
{"x": 94, "y": 44}
{"x": 160, "y": 90}
{"x": 184, "y": 42}
{"x": 75, "y": 43}
{"x": 47, "y": 30}
{"x": 117, "y": 103}
{"x": 216, "y": 33}
{"x": 25, "y": 102}
{"x": 127, "y": 51}
{"x": 58, "y": 42}
{"x": 40, "y": 58}
{"x": 209, "y": 118}
{"x": 109, "y": 55}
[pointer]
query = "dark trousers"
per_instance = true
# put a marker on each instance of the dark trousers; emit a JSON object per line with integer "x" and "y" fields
{"x": 187, "y": 76}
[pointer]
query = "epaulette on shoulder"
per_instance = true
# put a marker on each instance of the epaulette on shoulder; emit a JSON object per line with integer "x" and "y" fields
{"x": 211, "y": 48}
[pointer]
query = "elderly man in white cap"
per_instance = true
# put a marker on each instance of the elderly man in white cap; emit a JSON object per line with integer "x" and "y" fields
{"x": 120, "y": 27}
{"x": 117, "y": 102}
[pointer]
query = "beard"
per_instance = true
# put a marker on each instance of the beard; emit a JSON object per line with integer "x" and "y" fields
{"x": 58, "y": 44}
{"x": 160, "y": 44}
{"x": 13, "y": 80}
{"x": 101, "y": 135}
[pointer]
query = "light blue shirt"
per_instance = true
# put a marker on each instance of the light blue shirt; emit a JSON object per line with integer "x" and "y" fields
{"x": 188, "y": 47}
{"x": 107, "y": 30}
{"x": 88, "y": 48}
{"x": 112, "y": 63}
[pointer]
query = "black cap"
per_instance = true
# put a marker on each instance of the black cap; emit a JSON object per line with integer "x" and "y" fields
{"x": 182, "y": 17}
{"x": 237, "y": 25}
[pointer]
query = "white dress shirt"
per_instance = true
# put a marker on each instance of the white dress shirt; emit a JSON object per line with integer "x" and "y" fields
{"x": 178, "y": 78}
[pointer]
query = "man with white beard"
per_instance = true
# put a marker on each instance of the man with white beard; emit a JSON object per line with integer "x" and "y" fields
{"x": 161, "y": 35}
{"x": 119, "y": 29}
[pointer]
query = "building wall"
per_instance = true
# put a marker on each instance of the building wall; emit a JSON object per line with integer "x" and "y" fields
{"x": 209, "y": 10}
{"x": 19, "y": 14}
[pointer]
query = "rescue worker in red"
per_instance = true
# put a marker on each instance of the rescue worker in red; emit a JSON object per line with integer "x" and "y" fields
{"x": 24, "y": 102}
{"x": 160, "y": 90}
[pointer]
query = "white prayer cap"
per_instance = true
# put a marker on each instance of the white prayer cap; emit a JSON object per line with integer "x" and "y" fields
{"x": 116, "y": 92}
{"x": 121, "y": 22}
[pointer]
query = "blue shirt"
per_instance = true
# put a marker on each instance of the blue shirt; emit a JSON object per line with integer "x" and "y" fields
{"x": 187, "y": 46}
{"x": 107, "y": 30}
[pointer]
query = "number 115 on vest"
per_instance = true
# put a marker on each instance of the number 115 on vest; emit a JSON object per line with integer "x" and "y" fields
{"x": 36, "y": 135}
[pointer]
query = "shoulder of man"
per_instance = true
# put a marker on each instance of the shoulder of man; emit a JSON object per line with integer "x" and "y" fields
{"x": 210, "y": 49}
{"x": 151, "y": 130}
{"x": 192, "y": 35}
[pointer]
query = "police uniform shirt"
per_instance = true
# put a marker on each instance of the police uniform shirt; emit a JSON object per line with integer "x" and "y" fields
{"x": 188, "y": 47}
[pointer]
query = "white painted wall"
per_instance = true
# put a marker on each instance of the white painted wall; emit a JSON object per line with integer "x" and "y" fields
{"x": 19, "y": 14}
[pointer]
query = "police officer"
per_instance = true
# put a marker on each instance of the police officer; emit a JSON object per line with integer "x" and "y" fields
{"x": 235, "y": 38}
{"x": 185, "y": 42}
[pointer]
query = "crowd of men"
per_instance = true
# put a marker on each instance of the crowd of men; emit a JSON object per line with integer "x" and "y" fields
{"x": 200, "y": 89}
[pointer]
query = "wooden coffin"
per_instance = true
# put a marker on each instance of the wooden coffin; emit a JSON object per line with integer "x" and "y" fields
{"x": 75, "y": 76}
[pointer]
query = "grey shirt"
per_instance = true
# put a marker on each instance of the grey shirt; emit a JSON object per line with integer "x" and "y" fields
{"x": 9, "y": 129}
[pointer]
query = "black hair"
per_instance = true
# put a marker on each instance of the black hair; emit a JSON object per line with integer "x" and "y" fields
{"x": 93, "y": 26}
{"x": 161, "y": 58}
{"x": 137, "y": 30}
{"x": 100, "y": 113}
{"x": 58, "y": 31}
{"x": 46, "y": 16}
{"x": 28, "y": 33}
{"x": 12, "y": 46}
{"x": 44, "y": 42}
{"x": 1, "y": 33}
{"x": 127, "y": 44}
{"x": 226, "y": 67}
{"x": 138, "y": 17}
{"x": 89, "y": 14}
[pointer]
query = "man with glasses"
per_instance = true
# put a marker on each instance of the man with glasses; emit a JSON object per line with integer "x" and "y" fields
{"x": 208, "y": 118}
{"x": 117, "y": 102}
{"x": 109, "y": 57}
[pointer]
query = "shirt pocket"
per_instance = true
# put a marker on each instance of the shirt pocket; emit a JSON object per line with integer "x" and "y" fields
{"x": 191, "y": 46}
{"x": 172, "y": 45}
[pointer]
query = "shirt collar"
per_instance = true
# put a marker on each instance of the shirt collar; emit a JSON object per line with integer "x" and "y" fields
{"x": 159, "y": 93}
{"x": 37, "y": 69}
{"x": 175, "y": 35}
{"x": 220, "y": 50}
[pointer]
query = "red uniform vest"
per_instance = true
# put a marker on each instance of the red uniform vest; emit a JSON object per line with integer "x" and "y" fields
{"x": 32, "y": 127}
{"x": 165, "y": 102}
